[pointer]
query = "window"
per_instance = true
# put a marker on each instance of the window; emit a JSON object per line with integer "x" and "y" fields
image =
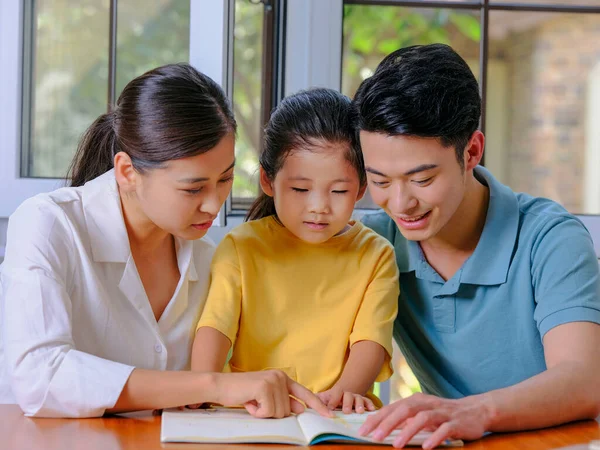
{"x": 540, "y": 85}
{"x": 67, "y": 60}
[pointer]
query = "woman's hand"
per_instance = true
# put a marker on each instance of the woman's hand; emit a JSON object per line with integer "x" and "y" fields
{"x": 269, "y": 393}
{"x": 349, "y": 401}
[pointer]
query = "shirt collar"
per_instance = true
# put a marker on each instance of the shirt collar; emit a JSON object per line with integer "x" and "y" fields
{"x": 104, "y": 219}
{"x": 489, "y": 263}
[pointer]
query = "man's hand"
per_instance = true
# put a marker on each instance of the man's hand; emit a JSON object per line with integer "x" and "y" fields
{"x": 466, "y": 418}
{"x": 349, "y": 401}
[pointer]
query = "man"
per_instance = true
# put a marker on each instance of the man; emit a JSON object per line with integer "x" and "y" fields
{"x": 500, "y": 292}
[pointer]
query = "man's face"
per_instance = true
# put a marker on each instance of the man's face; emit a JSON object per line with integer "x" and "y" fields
{"x": 417, "y": 181}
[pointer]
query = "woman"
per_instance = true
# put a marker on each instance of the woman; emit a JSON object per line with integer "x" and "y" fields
{"x": 103, "y": 282}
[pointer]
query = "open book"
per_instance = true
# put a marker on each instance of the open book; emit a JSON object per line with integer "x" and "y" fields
{"x": 225, "y": 425}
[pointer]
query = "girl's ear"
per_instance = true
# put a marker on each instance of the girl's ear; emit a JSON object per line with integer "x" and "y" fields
{"x": 361, "y": 192}
{"x": 265, "y": 183}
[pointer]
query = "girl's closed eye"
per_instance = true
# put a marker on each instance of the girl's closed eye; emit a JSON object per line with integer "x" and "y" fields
{"x": 295, "y": 189}
{"x": 340, "y": 191}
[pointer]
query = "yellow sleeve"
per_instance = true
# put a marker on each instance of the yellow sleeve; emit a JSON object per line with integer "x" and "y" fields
{"x": 223, "y": 304}
{"x": 379, "y": 307}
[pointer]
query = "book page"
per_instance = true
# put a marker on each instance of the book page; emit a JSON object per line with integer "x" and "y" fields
{"x": 321, "y": 429}
{"x": 226, "y": 425}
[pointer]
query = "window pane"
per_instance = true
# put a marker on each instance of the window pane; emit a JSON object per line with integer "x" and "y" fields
{"x": 372, "y": 32}
{"x": 69, "y": 71}
{"x": 150, "y": 34}
{"x": 247, "y": 92}
{"x": 544, "y": 106}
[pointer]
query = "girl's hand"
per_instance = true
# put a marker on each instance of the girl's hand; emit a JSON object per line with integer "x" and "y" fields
{"x": 269, "y": 393}
{"x": 349, "y": 401}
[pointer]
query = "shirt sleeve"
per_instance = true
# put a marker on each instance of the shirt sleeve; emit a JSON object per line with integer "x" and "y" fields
{"x": 375, "y": 318}
{"x": 224, "y": 302}
{"x": 565, "y": 275}
{"x": 48, "y": 375}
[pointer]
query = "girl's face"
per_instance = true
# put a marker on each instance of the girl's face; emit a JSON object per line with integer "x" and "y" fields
{"x": 185, "y": 196}
{"x": 315, "y": 191}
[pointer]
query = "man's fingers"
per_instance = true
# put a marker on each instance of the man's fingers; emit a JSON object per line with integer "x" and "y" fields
{"x": 310, "y": 399}
{"x": 373, "y": 421}
{"x": 416, "y": 424}
{"x": 438, "y": 436}
{"x": 392, "y": 420}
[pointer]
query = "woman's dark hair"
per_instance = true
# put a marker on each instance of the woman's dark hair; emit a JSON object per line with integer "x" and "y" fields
{"x": 170, "y": 112}
{"x": 424, "y": 91}
{"x": 301, "y": 121}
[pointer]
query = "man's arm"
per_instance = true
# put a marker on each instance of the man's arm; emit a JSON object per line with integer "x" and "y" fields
{"x": 569, "y": 390}
{"x": 566, "y": 282}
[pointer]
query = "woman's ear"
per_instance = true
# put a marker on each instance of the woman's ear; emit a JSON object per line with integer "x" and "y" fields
{"x": 125, "y": 173}
{"x": 265, "y": 183}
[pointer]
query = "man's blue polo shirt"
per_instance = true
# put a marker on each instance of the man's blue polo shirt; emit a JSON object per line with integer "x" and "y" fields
{"x": 533, "y": 269}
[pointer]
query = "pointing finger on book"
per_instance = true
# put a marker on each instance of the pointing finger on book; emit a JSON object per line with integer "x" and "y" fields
{"x": 310, "y": 399}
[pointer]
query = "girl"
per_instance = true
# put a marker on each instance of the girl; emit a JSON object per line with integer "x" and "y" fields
{"x": 103, "y": 281}
{"x": 300, "y": 287}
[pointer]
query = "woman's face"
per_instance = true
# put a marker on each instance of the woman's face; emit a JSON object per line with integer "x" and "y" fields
{"x": 184, "y": 197}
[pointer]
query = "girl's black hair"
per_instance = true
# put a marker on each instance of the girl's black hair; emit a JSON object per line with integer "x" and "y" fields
{"x": 302, "y": 120}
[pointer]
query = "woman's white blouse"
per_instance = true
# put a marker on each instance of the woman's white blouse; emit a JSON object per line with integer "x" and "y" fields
{"x": 74, "y": 317}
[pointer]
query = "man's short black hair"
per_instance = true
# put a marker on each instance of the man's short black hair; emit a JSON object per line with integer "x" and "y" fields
{"x": 424, "y": 91}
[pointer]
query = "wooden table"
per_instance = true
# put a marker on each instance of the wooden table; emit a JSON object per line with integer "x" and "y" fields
{"x": 142, "y": 431}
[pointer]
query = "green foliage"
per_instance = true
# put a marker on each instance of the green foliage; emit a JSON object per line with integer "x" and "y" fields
{"x": 372, "y": 32}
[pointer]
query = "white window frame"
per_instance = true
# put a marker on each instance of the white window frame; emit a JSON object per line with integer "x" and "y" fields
{"x": 14, "y": 189}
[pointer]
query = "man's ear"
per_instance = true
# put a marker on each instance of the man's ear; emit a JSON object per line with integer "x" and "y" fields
{"x": 125, "y": 173}
{"x": 474, "y": 150}
{"x": 265, "y": 183}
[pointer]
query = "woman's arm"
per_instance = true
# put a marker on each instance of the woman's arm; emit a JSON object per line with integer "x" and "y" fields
{"x": 264, "y": 394}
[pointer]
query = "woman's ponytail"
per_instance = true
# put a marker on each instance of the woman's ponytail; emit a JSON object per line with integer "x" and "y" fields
{"x": 95, "y": 152}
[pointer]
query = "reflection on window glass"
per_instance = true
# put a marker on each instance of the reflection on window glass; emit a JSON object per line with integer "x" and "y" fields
{"x": 247, "y": 91}
{"x": 69, "y": 72}
{"x": 372, "y": 32}
{"x": 543, "y": 106}
{"x": 150, "y": 34}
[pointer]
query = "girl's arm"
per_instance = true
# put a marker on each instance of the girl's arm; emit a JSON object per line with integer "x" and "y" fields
{"x": 364, "y": 364}
{"x": 209, "y": 352}
{"x": 360, "y": 372}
